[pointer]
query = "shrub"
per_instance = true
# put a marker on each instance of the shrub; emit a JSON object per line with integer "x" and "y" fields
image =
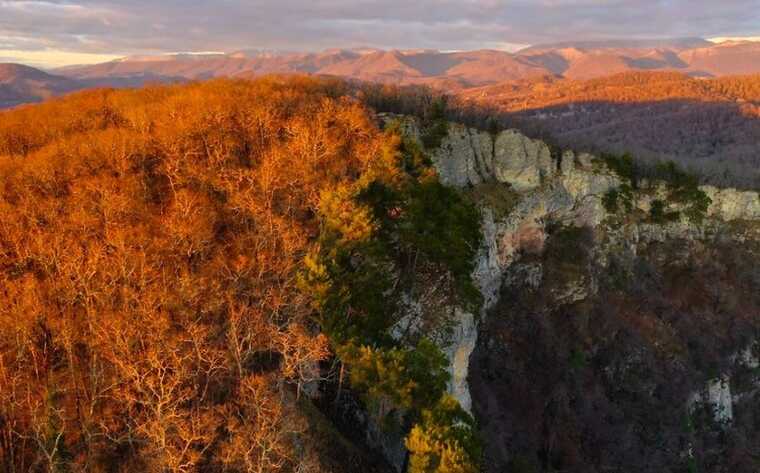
{"x": 659, "y": 214}
{"x": 683, "y": 189}
{"x": 521, "y": 464}
{"x": 568, "y": 243}
{"x": 610, "y": 201}
{"x": 578, "y": 360}
{"x": 435, "y": 126}
{"x": 349, "y": 272}
{"x": 400, "y": 213}
{"x": 349, "y": 287}
{"x": 498, "y": 197}
{"x": 566, "y": 254}
{"x": 445, "y": 228}
{"x": 623, "y": 166}
{"x": 613, "y": 199}
{"x": 396, "y": 213}
{"x": 397, "y": 378}
{"x": 445, "y": 441}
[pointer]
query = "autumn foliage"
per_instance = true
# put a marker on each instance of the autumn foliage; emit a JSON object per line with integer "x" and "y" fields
{"x": 708, "y": 126}
{"x": 149, "y": 246}
{"x": 160, "y": 254}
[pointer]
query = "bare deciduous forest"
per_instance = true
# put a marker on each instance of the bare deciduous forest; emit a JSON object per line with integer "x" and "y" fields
{"x": 180, "y": 266}
{"x": 197, "y": 278}
{"x": 710, "y": 126}
{"x": 145, "y": 265}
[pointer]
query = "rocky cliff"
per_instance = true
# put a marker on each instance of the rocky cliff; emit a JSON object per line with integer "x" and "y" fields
{"x": 558, "y": 256}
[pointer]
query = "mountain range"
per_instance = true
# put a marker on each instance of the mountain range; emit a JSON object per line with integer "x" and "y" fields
{"x": 650, "y": 98}
{"x": 452, "y": 71}
{"x": 22, "y": 84}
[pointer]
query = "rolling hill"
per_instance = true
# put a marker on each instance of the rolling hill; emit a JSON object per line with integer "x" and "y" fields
{"x": 455, "y": 71}
{"x": 450, "y": 70}
{"x": 646, "y": 97}
{"x": 22, "y": 84}
{"x": 712, "y": 125}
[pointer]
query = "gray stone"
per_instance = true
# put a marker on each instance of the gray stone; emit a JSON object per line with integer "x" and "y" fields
{"x": 520, "y": 161}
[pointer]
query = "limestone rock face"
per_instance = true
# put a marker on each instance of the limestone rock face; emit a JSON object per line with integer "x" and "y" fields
{"x": 464, "y": 337}
{"x": 581, "y": 182}
{"x": 520, "y": 161}
{"x": 488, "y": 270}
{"x": 749, "y": 358}
{"x": 717, "y": 394}
{"x": 464, "y": 157}
{"x": 569, "y": 191}
{"x": 731, "y": 204}
{"x": 470, "y": 157}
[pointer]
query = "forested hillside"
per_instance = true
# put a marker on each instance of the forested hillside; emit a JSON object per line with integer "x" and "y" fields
{"x": 184, "y": 268}
{"x": 271, "y": 276}
{"x": 711, "y": 126}
{"x": 22, "y": 84}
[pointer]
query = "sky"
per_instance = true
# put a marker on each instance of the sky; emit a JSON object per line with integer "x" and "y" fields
{"x": 50, "y": 33}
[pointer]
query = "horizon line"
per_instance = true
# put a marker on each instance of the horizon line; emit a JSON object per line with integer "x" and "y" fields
{"x": 51, "y": 59}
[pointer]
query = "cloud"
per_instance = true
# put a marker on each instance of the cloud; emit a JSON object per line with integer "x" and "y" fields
{"x": 150, "y": 26}
{"x": 52, "y": 57}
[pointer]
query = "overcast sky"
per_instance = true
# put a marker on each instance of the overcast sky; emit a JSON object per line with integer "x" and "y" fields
{"x": 56, "y": 32}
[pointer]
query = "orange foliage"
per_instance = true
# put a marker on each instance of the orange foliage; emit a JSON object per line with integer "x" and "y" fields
{"x": 149, "y": 245}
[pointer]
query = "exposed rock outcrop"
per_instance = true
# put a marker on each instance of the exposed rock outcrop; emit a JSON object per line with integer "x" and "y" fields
{"x": 567, "y": 189}
{"x": 730, "y": 204}
{"x": 469, "y": 156}
{"x": 717, "y": 395}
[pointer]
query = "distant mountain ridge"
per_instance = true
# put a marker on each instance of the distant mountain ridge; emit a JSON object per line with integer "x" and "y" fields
{"x": 23, "y": 84}
{"x": 675, "y": 43}
{"x": 451, "y": 71}
{"x": 460, "y": 70}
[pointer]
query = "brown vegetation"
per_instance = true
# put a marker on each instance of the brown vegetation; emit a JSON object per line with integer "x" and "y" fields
{"x": 603, "y": 384}
{"x": 710, "y": 126}
{"x": 149, "y": 247}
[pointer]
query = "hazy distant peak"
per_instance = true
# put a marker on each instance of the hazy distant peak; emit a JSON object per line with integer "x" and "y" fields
{"x": 410, "y": 52}
{"x": 170, "y": 57}
{"x": 258, "y": 53}
{"x": 679, "y": 43}
{"x": 12, "y": 70}
{"x": 735, "y": 39}
{"x": 11, "y": 73}
{"x": 451, "y": 70}
{"x": 23, "y": 84}
{"x": 748, "y": 43}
